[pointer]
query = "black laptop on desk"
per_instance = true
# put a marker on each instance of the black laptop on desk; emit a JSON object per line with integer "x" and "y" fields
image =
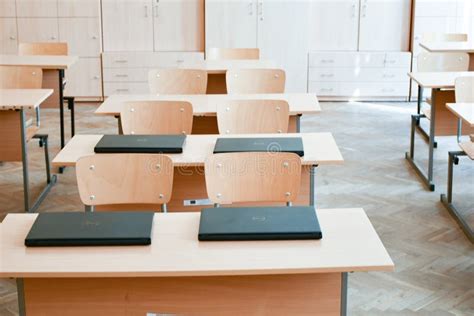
{"x": 142, "y": 144}
{"x": 259, "y": 223}
{"x": 91, "y": 229}
{"x": 260, "y": 144}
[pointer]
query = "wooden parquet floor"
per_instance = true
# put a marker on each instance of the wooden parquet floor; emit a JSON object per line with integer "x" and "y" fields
{"x": 434, "y": 261}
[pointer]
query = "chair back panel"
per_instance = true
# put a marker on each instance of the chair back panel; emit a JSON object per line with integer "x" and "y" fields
{"x": 177, "y": 81}
{"x": 464, "y": 90}
{"x": 442, "y": 62}
{"x": 59, "y": 49}
{"x": 255, "y": 81}
{"x": 20, "y": 77}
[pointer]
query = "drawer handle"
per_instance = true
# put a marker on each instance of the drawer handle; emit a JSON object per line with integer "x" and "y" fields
{"x": 327, "y": 61}
{"x": 389, "y": 76}
{"x": 388, "y": 90}
{"x": 53, "y": 37}
{"x": 327, "y": 75}
{"x": 326, "y": 89}
{"x": 121, "y": 61}
{"x": 96, "y": 77}
{"x": 391, "y": 61}
{"x": 122, "y": 90}
{"x": 95, "y": 37}
{"x": 180, "y": 61}
{"x": 121, "y": 76}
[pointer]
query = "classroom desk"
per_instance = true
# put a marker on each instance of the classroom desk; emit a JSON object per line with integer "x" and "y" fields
{"x": 49, "y": 64}
{"x": 189, "y": 187}
{"x": 465, "y": 112}
{"x": 13, "y": 103}
{"x": 216, "y": 70}
{"x": 179, "y": 275}
{"x": 205, "y": 106}
{"x": 442, "y": 121}
{"x": 452, "y": 47}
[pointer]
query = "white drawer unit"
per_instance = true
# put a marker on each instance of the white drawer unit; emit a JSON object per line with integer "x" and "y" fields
{"x": 127, "y": 72}
{"x": 359, "y": 75}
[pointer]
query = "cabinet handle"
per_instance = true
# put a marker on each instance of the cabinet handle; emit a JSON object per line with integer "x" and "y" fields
{"x": 121, "y": 76}
{"x": 96, "y": 77}
{"x": 327, "y": 61}
{"x": 326, "y": 89}
{"x": 260, "y": 10}
{"x": 53, "y": 37}
{"x": 179, "y": 61}
{"x": 327, "y": 75}
{"x": 391, "y": 61}
{"x": 354, "y": 7}
{"x": 389, "y": 76}
{"x": 250, "y": 7}
{"x": 121, "y": 61}
{"x": 122, "y": 90}
{"x": 95, "y": 37}
{"x": 146, "y": 11}
{"x": 12, "y": 37}
{"x": 364, "y": 10}
{"x": 388, "y": 90}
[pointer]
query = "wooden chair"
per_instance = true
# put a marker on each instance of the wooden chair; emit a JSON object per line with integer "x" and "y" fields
{"x": 214, "y": 53}
{"x": 438, "y": 62}
{"x": 444, "y": 37}
{"x": 177, "y": 81}
{"x": 57, "y": 49}
{"x": 464, "y": 90}
{"x": 255, "y": 81}
{"x": 111, "y": 179}
{"x": 13, "y": 125}
{"x": 157, "y": 117}
{"x": 253, "y": 177}
{"x": 253, "y": 116}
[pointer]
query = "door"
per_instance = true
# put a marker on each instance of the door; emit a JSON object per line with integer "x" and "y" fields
{"x": 328, "y": 33}
{"x": 32, "y": 30}
{"x": 82, "y": 36}
{"x": 384, "y": 25}
{"x": 283, "y": 36}
{"x": 231, "y": 23}
{"x": 8, "y": 36}
{"x": 179, "y": 25}
{"x": 127, "y": 25}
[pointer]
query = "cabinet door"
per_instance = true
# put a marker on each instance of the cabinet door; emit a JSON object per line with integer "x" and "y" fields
{"x": 330, "y": 33}
{"x": 8, "y": 36}
{"x": 78, "y": 8}
{"x": 283, "y": 36}
{"x": 7, "y": 8}
{"x": 37, "y": 8}
{"x": 82, "y": 36}
{"x": 179, "y": 25}
{"x": 231, "y": 23}
{"x": 37, "y": 30}
{"x": 384, "y": 25}
{"x": 127, "y": 25}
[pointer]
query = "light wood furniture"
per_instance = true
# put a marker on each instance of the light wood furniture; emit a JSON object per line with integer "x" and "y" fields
{"x": 243, "y": 81}
{"x": 464, "y": 89}
{"x": 124, "y": 179}
{"x": 437, "y": 62}
{"x": 177, "y": 81}
{"x": 189, "y": 187}
{"x": 253, "y": 116}
{"x": 304, "y": 277}
{"x": 442, "y": 121}
{"x": 205, "y": 106}
{"x": 15, "y": 133}
{"x": 253, "y": 177}
{"x": 464, "y": 111}
{"x": 214, "y": 53}
{"x": 14, "y": 77}
{"x": 157, "y": 117}
{"x": 452, "y": 47}
{"x": 56, "y": 63}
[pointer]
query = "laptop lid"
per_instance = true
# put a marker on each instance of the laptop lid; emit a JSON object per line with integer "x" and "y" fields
{"x": 259, "y": 223}
{"x": 91, "y": 229}
{"x": 260, "y": 144}
{"x": 142, "y": 144}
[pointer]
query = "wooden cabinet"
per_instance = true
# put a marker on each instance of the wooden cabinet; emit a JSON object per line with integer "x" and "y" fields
{"x": 7, "y": 8}
{"x": 178, "y": 25}
{"x": 82, "y": 36}
{"x": 8, "y": 36}
{"x": 37, "y": 30}
{"x": 37, "y": 8}
{"x": 127, "y": 25}
{"x": 328, "y": 33}
{"x": 384, "y": 25}
{"x": 79, "y": 8}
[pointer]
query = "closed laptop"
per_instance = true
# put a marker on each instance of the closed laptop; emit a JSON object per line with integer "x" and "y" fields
{"x": 142, "y": 144}
{"x": 259, "y": 223}
{"x": 91, "y": 229}
{"x": 260, "y": 144}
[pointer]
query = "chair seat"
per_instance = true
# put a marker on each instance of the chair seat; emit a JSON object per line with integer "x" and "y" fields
{"x": 427, "y": 113}
{"x": 31, "y": 131}
{"x": 468, "y": 148}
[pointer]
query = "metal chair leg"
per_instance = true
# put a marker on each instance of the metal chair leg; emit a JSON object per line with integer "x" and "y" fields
{"x": 70, "y": 106}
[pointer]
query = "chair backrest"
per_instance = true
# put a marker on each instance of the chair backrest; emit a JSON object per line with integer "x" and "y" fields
{"x": 177, "y": 81}
{"x": 255, "y": 81}
{"x": 21, "y": 77}
{"x": 43, "y": 49}
{"x": 464, "y": 89}
{"x": 253, "y": 116}
{"x": 442, "y": 62}
{"x": 108, "y": 179}
{"x": 215, "y": 53}
{"x": 157, "y": 117}
{"x": 444, "y": 37}
{"x": 253, "y": 177}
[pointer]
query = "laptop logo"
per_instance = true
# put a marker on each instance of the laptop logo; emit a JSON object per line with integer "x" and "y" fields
{"x": 258, "y": 143}
{"x": 258, "y": 218}
{"x": 88, "y": 223}
{"x": 142, "y": 140}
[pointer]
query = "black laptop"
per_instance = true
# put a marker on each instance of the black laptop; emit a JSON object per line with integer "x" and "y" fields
{"x": 91, "y": 229}
{"x": 260, "y": 144}
{"x": 259, "y": 223}
{"x": 142, "y": 144}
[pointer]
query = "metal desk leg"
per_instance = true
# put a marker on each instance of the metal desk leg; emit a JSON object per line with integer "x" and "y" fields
{"x": 20, "y": 288}
{"x": 418, "y": 111}
{"x": 61, "y": 105}
{"x": 344, "y": 279}
{"x": 312, "y": 193}
{"x": 447, "y": 199}
{"x": 420, "y": 100}
{"x": 298, "y": 123}
{"x": 119, "y": 124}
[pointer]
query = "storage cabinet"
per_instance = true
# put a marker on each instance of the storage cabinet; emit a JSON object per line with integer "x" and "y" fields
{"x": 82, "y": 36}
{"x": 8, "y": 36}
{"x": 37, "y": 8}
{"x": 38, "y": 30}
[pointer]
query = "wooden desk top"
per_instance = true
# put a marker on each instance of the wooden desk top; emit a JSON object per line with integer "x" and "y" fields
{"x": 206, "y": 104}
{"x": 43, "y": 61}
{"x": 349, "y": 243}
{"x": 449, "y": 47}
{"x": 438, "y": 80}
{"x": 17, "y": 99}
{"x": 320, "y": 149}
{"x": 221, "y": 66}
{"x": 465, "y": 111}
